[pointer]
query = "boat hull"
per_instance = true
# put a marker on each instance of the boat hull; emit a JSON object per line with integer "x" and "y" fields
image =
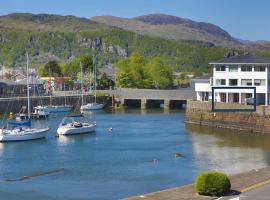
{"x": 68, "y": 130}
{"x": 12, "y": 136}
{"x": 92, "y": 106}
{"x": 54, "y": 109}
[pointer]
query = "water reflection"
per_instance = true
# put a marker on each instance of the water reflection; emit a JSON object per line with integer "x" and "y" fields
{"x": 229, "y": 151}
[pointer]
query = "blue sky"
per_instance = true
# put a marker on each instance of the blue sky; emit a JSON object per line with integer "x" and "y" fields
{"x": 245, "y": 19}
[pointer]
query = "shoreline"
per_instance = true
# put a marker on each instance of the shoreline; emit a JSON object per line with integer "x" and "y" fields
{"x": 241, "y": 182}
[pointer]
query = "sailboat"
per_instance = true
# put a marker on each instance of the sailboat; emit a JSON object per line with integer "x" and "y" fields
{"x": 94, "y": 105}
{"x": 55, "y": 108}
{"x": 23, "y": 133}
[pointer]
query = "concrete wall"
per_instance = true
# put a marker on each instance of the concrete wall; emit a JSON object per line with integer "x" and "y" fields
{"x": 200, "y": 113}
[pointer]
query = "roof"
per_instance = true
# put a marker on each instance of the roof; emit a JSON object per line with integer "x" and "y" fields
{"x": 243, "y": 59}
{"x": 32, "y": 81}
{"x": 6, "y": 82}
{"x": 204, "y": 78}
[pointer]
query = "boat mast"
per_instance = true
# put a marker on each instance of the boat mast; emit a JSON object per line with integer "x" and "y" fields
{"x": 95, "y": 80}
{"x": 50, "y": 86}
{"x": 81, "y": 82}
{"x": 65, "y": 94}
{"x": 27, "y": 84}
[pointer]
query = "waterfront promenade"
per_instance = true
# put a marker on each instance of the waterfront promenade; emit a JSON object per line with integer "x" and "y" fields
{"x": 241, "y": 183}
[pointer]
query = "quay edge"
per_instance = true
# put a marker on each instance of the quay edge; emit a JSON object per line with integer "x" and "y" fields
{"x": 200, "y": 113}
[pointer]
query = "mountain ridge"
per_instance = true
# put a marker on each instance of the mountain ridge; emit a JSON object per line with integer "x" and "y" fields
{"x": 171, "y": 27}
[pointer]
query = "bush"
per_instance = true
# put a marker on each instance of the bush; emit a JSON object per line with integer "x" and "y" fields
{"x": 212, "y": 184}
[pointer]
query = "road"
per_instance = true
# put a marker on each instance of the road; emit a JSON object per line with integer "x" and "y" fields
{"x": 260, "y": 193}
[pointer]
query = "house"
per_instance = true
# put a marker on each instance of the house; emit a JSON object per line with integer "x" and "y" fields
{"x": 240, "y": 71}
{"x": 10, "y": 88}
{"x": 202, "y": 86}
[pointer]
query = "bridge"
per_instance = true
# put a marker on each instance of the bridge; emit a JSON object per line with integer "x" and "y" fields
{"x": 144, "y": 97}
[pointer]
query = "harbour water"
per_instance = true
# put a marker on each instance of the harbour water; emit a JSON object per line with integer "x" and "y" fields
{"x": 136, "y": 157}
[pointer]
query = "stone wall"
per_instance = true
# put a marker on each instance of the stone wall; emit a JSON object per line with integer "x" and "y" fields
{"x": 201, "y": 113}
{"x": 14, "y": 104}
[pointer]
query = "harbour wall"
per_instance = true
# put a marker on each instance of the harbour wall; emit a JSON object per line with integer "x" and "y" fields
{"x": 200, "y": 113}
{"x": 14, "y": 104}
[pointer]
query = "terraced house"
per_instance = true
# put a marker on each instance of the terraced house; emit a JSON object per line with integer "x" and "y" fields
{"x": 237, "y": 71}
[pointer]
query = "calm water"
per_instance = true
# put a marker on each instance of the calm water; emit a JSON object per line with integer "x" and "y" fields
{"x": 117, "y": 165}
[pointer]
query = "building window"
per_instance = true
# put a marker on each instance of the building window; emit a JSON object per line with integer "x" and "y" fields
{"x": 221, "y": 68}
{"x": 233, "y": 68}
{"x": 246, "y": 68}
{"x": 220, "y": 82}
{"x": 246, "y": 82}
{"x": 259, "y": 82}
{"x": 233, "y": 82}
{"x": 259, "y": 68}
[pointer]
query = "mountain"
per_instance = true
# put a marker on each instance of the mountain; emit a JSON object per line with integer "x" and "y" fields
{"x": 172, "y": 27}
{"x": 54, "y": 37}
{"x": 47, "y": 22}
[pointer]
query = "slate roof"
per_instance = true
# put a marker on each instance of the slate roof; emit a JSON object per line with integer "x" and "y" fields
{"x": 243, "y": 59}
{"x": 204, "y": 78}
{"x": 6, "y": 82}
{"x": 32, "y": 81}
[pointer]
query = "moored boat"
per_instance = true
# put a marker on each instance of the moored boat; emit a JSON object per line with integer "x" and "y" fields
{"x": 52, "y": 109}
{"x": 92, "y": 106}
{"x": 39, "y": 113}
{"x": 22, "y": 134}
{"x": 72, "y": 126}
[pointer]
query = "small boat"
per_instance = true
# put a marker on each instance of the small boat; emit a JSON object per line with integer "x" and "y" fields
{"x": 39, "y": 113}
{"x": 72, "y": 126}
{"x": 53, "y": 109}
{"x": 92, "y": 106}
{"x": 22, "y": 134}
{"x": 56, "y": 108}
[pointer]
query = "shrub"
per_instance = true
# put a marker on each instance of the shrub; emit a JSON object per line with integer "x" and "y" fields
{"x": 212, "y": 184}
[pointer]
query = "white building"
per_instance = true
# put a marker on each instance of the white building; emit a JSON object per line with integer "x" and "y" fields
{"x": 240, "y": 71}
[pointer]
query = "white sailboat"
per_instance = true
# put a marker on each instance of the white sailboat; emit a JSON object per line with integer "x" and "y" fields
{"x": 72, "y": 125}
{"x": 23, "y": 133}
{"x": 55, "y": 108}
{"x": 94, "y": 105}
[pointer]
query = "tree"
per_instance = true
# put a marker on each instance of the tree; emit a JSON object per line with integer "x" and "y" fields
{"x": 104, "y": 82}
{"x": 124, "y": 80}
{"x": 197, "y": 73}
{"x": 52, "y": 68}
{"x": 160, "y": 74}
{"x": 73, "y": 68}
{"x": 134, "y": 67}
{"x": 87, "y": 78}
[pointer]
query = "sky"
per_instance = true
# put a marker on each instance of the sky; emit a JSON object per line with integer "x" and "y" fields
{"x": 243, "y": 19}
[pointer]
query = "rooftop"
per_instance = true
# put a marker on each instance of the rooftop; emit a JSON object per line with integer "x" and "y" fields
{"x": 202, "y": 78}
{"x": 243, "y": 59}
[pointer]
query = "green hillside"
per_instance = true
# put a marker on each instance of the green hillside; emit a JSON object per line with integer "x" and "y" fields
{"x": 53, "y": 37}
